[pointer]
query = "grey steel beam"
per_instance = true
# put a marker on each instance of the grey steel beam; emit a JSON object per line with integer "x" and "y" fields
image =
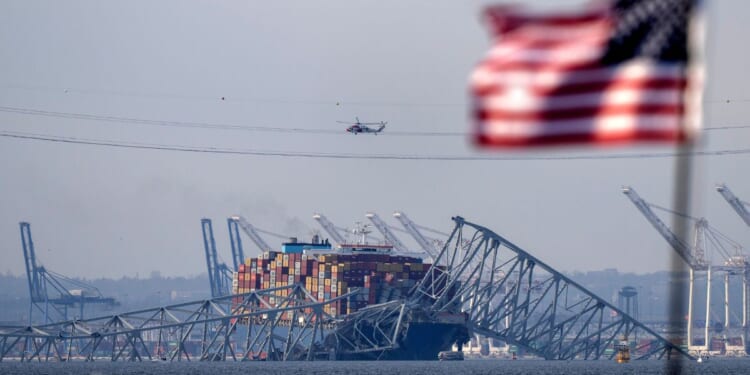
{"x": 531, "y": 304}
{"x": 203, "y": 330}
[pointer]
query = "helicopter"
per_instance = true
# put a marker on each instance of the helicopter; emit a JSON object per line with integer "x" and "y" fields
{"x": 362, "y": 127}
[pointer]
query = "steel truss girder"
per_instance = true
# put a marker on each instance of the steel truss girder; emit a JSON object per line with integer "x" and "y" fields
{"x": 510, "y": 295}
{"x": 283, "y": 323}
{"x": 375, "y": 329}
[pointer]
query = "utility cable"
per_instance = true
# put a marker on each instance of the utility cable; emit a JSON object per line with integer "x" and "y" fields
{"x": 322, "y": 155}
{"x": 277, "y": 129}
{"x": 362, "y": 102}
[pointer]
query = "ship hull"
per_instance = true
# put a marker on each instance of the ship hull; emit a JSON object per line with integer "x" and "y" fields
{"x": 422, "y": 342}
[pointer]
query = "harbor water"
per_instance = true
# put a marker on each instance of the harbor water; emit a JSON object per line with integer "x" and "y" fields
{"x": 505, "y": 367}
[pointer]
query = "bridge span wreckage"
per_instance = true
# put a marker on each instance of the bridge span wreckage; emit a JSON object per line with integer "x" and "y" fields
{"x": 478, "y": 284}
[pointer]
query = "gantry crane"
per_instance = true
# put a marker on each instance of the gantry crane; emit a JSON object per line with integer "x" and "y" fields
{"x": 252, "y": 232}
{"x": 384, "y": 229}
{"x": 238, "y": 255}
{"x": 739, "y": 206}
{"x": 52, "y": 293}
{"x": 219, "y": 274}
{"x": 412, "y": 228}
{"x": 329, "y": 228}
{"x": 694, "y": 256}
{"x": 695, "y": 259}
{"x": 704, "y": 235}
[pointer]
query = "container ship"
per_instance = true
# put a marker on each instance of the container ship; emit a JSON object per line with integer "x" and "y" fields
{"x": 375, "y": 271}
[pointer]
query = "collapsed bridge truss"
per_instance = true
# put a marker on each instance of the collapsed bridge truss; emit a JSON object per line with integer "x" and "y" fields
{"x": 260, "y": 325}
{"x": 480, "y": 283}
{"x": 510, "y": 295}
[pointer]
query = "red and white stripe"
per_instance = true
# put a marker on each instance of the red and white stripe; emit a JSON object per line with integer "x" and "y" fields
{"x": 542, "y": 83}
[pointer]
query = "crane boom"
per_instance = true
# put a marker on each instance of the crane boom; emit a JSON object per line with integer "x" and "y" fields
{"x": 387, "y": 233}
{"x": 329, "y": 228}
{"x": 682, "y": 249}
{"x": 52, "y": 293}
{"x": 412, "y": 229}
{"x": 736, "y": 203}
{"x": 32, "y": 271}
{"x": 238, "y": 255}
{"x": 252, "y": 233}
{"x": 216, "y": 276}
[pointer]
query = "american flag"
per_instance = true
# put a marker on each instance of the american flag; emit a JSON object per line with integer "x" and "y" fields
{"x": 609, "y": 73}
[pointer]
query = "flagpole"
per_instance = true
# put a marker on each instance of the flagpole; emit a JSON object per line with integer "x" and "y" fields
{"x": 683, "y": 184}
{"x": 682, "y": 193}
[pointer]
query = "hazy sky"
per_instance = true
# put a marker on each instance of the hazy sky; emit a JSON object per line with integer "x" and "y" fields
{"x": 101, "y": 211}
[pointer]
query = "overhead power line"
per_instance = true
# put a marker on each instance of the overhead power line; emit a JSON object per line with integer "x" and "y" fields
{"x": 181, "y": 124}
{"x": 254, "y": 99}
{"x": 276, "y": 129}
{"x": 323, "y": 155}
{"x": 206, "y": 125}
{"x": 235, "y": 98}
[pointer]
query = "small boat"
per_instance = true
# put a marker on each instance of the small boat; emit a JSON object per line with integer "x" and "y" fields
{"x": 449, "y": 355}
{"x": 622, "y": 351}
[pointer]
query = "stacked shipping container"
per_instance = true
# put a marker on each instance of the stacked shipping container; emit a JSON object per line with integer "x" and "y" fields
{"x": 380, "y": 277}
